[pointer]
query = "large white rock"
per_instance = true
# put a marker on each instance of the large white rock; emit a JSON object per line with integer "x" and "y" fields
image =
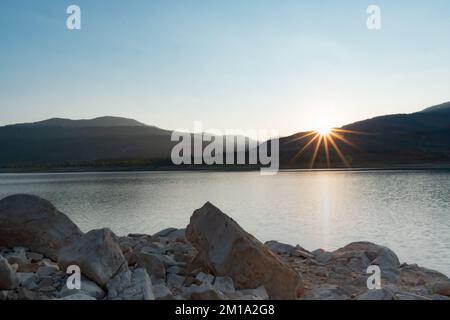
{"x": 98, "y": 255}
{"x": 225, "y": 249}
{"x": 33, "y": 222}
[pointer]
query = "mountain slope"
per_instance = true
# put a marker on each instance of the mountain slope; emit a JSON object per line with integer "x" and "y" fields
{"x": 71, "y": 142}
{"x": 421, "y": 138}
{"x": 96, "y": 122}
{"x": 444, "y": 107}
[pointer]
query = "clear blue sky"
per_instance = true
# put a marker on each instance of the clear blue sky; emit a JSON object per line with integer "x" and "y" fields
{"x": 232, "y": 64}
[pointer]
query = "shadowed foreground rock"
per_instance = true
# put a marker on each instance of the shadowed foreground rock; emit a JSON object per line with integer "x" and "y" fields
{"x": 225, "y": 249}
{"x": 33, "y": 222}
{"x": 98, "y": 255}
{"x": 213, "y": 259}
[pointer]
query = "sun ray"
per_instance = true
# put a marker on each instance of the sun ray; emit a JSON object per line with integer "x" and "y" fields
{"x": 305, "y": 147}
{"x": 303, "y": 136}
{"x": 327, "y": 152}
{"x": 319, "y": 142}
{"x": 326, "y": 136}
{"x": 350, "y": 131}
{"x": 340, "y": 137}
{"x": 339, "y": 152}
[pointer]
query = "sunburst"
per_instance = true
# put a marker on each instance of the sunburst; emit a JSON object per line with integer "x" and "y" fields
{"x": 326, "y": 137}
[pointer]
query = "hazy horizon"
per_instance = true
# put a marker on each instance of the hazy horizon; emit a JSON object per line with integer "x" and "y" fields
{"x": 256, "y": 64}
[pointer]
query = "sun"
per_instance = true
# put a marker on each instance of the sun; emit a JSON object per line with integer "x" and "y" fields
{"x": 324, "y": 131}
{"x": 324, "y": 139}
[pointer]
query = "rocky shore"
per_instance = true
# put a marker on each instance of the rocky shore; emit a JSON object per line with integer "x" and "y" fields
{"x": 212, "y": 259}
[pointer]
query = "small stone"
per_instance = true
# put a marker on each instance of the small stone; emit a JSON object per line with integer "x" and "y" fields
{"x": 161, "y": 292}
{"x": 31, "y": 267}
{"x": 8, "y": 277}
{"x": 20, "y": 260}
{"x": 25, "y": 294}
{"x": 88, "y": 287}
{"x": 205, "y": 278}
{"x": 377, "y": 294}
{"x": 78, "y": 296}
{"x": 259, "y": 293}
{"x": 326, "y": 292}
{"x": 280, "y": 248}
{"x": 164, "y": 233}
{"x": 3, "y": 295}
{"x": 46, "y": 271}
{"x": 28, "y": 280}
{"x": 441, "y": 288}
{"x": 175, "y": 281}
{"x": 224, "y": 285}
{"x": 409, "y": 296}
{"x": 203, "y": 292}
{"x": 34, "y": 256}
{"x": 131, "y": 257}
{"x": 45, "y": 282}
{"x": 322, "y": 256}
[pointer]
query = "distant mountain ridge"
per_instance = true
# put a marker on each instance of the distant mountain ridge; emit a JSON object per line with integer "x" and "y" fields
{"x": 420, "y": 138}
{"x": 444, "y": 107}
{"x": 107, "y": 121}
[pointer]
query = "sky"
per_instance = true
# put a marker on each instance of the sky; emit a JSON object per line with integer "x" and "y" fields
{"x": 288, "y": 65}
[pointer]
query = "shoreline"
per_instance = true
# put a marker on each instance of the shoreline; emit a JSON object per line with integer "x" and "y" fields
{"x": 212, "y": 170}
{"x": 213, "y": 258}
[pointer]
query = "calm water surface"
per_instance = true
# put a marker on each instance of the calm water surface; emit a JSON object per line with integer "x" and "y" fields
{"x": 408, "y": 211}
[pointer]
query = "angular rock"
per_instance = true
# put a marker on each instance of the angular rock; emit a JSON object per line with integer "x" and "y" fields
{"x": 154, "y": 264}
{"x": 98, "y": 255}
{"x": 381, "y": 294}
{"x": 322, "y": 256}
{"x": 34, "y": 256}
{"x": 164, "y": 233}
{"x": 205, "y": 278}
{"x": 409, "y": 296}
{"x": 28, "y": 280}
{"x": 280, "y": 248}
{"x": 203, "y": 292}
{"x": 326, "y": 292}
{"x": 88, "y": 288}
{"x": 8, "y": 277}
{"x": 161, "y": 292}
{"x": 46, "y": 271}
{"x": 33, "y": 222}
{"x": 78, "y": 296}
{"x": 175, "y": 281}
{"x": 224, "y": 285}
{"x": 225, "y": 249}
{"x": 259, "y": 293}
{"x": 441, "y": 287}
{"x": 129, "y": 285}
{"x": 376, "y": 254}
{"x": 3, "y": 295}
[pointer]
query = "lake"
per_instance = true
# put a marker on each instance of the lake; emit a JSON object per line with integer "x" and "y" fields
{"x": 408, "y": 211}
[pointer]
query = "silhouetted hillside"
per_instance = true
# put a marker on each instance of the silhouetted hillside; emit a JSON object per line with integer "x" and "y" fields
{"x": 421, "y": 138}
{"x": 97, "y": 122}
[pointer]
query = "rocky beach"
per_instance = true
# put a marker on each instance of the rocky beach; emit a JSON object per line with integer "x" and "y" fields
{"x": 212, "y": 259}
